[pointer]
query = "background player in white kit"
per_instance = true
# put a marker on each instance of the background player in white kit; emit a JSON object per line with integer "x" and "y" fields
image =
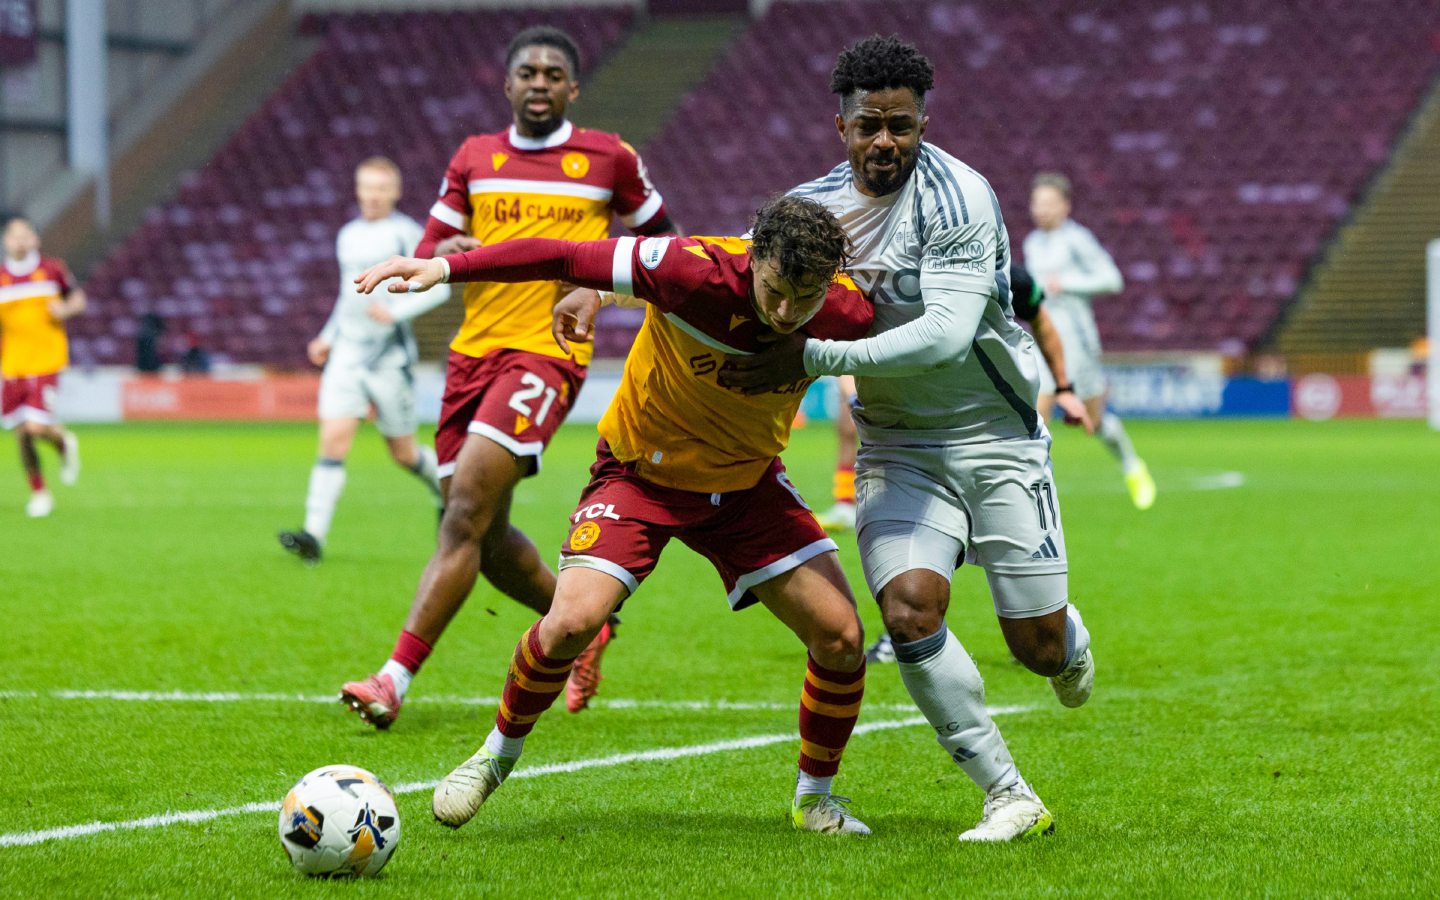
{"x": 1073, "y": 269}
{"x": 367, "y": 350}
{"x": 954, "y": 460}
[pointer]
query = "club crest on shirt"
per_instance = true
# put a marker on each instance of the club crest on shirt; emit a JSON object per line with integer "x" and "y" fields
{"x": 498, "y": 159}
{"x": 575, "y": 164}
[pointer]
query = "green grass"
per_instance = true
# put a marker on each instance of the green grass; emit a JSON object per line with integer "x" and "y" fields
{"x": 1264, "y": 719}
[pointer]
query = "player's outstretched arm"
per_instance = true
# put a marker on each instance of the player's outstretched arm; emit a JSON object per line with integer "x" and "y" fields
{"x": 415, "y": 275}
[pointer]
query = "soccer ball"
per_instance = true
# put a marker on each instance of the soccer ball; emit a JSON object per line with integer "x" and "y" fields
{"x": 339, "y": 822}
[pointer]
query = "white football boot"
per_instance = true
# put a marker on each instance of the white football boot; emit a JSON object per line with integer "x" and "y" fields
{"x": 40, "y": 505}
{"x": 1012, "y": 814}
{"x": 1073, "y": 686}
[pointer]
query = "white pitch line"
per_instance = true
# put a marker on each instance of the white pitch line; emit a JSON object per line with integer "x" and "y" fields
{"x": 29, "y": 838}
{"x": 1220, "y": 481}
{"x": 436, "y": 699}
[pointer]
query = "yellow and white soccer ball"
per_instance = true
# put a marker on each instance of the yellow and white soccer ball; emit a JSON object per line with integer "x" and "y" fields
{"x": 339, "y": 822}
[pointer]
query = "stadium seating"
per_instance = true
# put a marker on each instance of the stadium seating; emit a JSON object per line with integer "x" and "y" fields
{"x": 244, "y": 257}
{"x": 1214, "y": 145}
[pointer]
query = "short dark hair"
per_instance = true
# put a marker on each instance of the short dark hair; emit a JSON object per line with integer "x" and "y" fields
{"x": 878, "y": 63}
{"x": 9, "y": 218}
{"x": 1052, "y": 180}
{"x": 545, "y": 36}
{"x": 803, "y": 238}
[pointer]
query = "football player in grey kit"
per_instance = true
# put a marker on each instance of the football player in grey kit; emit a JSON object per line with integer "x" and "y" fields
{"x": 367, "y": 350}
{"x": 1073, "y": 269}
{"x": 954, "y": 461}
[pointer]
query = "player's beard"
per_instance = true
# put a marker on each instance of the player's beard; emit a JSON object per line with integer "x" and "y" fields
{"x": 884, "y": 183}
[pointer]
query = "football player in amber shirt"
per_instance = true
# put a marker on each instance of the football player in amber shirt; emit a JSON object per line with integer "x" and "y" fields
{"x": 507, "y": 386}
{"x": 682, "y": 458}
{"x": 37, "y": 295}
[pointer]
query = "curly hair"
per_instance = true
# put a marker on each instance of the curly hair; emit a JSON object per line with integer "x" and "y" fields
{"x": 545, "y": 36}
{"x": 803, "y": 238}
{"x": 878, "y": 63}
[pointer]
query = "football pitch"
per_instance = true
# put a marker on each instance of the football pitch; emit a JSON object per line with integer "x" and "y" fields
{"x": 1264, "y": 719}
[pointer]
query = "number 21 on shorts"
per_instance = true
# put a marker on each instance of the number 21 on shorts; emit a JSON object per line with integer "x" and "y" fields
{"x": 532, "y": 387}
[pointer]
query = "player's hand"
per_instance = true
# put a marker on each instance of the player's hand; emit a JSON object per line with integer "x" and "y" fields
{"x": 574, "y": 318}
{"x": 415, "y": 275}
{"x": 1052, "y": 286}
{"x": 318, "y": 350}
{"x": 1073, "y": 408}
{"x": 380, "y": 313}
{"x": 456, "y": 243}
{"x": 782, "y": 363}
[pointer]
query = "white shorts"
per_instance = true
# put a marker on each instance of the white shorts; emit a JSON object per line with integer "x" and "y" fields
{"x": 1082, "y": 360}
{"x": 347, "y": 391}
{"x": 992, "y": 504}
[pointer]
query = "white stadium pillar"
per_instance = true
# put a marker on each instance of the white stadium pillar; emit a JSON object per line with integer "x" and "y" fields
{"x": 1432, "y": 330}
{"x": 86, "y": 61}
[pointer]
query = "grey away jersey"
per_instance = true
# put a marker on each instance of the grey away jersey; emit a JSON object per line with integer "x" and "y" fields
{"x": 945, "y": 361}
{"x": 1073, "y": 255}
{"x": 356, "y": 338}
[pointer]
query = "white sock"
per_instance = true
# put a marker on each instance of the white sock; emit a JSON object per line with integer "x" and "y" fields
{"x": 427, "y": 469}
{"x": 398, "y": 674}
{"x": 327, "y": 480}
{"x": 500, "y": 745}
{"x": 1077, "y": 636}
{"x": 1112, "y": 435}
{"x": 805, "y": 783}
{"x": 944, "y": 683}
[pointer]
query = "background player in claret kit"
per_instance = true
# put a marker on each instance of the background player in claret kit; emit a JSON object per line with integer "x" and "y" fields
{"x": 1073, "y": 269}
{"x": 367, "y": 349}
{"x": 508, "y": 387}
{"x": 37, "y": 296}
{"x": 681, "y": 457}
{"x": 954, "y": 461}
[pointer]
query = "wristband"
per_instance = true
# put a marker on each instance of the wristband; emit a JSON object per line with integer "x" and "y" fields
{"x": 445, "y": 263}
{"x": 1064, "y": 388}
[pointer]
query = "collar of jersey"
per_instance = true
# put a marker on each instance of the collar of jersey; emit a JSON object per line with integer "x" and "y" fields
{"x": 869, "y": 202}
{"x": 25, "y": 266}
{"x": 553, "y": 139}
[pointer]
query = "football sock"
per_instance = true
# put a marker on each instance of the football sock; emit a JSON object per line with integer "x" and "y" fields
{"x": 399, "y": 676}
{"x": 531, "y": 686}
{"x": 1112, "y": 434}
{"x": 327, "y": 480}
{"x": 1077, "y": 636}
{"x": 829, "y": 706}
{"x": 811, "y": 784}
{"x": 426, "y": 468}
{"x": 944, "y": 683}
{"x": 500, "y": 745}
{"x": 37, "y": 481}
{"x": 31, "y": 461}
{"x": 405, "y": 661}
{"x": 844, "y": 488}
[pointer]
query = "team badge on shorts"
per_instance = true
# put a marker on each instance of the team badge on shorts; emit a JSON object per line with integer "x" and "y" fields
{"x": 584, "y": 536}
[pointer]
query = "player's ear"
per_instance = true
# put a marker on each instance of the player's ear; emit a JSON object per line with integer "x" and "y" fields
{"x": 924, "y": 120}
{"x": 574, "y": 90}
{"x": 840, "y": 125}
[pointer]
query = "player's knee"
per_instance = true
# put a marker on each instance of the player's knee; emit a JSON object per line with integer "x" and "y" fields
{"x": 465, "y": 521}
{"x": 569, "y": 628}
{"x": 840, "y": 646}
{"x": 911, "y": 610}
{"x": 1038, "y": 644}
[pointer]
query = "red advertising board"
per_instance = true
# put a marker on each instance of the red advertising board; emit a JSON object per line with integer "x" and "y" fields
{"x": 1321, "y": 397}
{"x": 288, "y": 397}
